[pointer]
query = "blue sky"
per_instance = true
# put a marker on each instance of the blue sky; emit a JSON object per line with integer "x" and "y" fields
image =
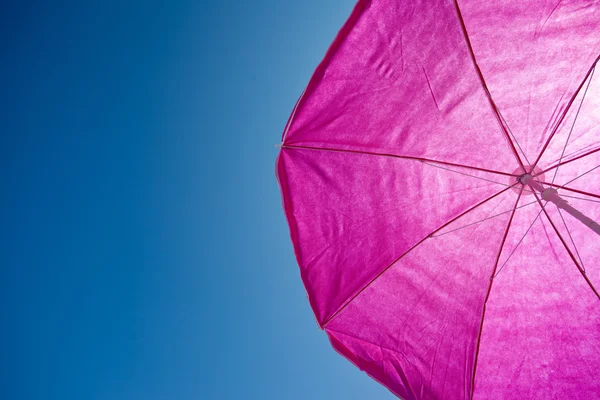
{"x": 144, "y": 251}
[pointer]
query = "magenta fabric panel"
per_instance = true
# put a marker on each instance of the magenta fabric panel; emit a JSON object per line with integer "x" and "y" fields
{"x": 352, "y": 215}
{"x": 533, "y": 55}
{"x": 541, "y": 334}
{"x": 401, "y": 81}
{"x": 418, "y": 324}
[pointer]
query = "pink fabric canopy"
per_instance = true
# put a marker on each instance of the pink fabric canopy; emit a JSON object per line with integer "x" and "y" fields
{"x": 429, "y": 260}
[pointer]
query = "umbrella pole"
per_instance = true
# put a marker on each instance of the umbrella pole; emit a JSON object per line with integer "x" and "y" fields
{"x": 551, "y": 195}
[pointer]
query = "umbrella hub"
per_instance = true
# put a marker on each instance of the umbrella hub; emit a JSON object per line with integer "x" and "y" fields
{"x": 518, "y": 178}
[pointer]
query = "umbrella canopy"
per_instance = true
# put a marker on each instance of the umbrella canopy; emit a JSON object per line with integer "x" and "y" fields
{"x": 439, "y": 178}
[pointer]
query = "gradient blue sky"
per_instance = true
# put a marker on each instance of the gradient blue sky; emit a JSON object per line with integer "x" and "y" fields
{"x": 144, "y": 251}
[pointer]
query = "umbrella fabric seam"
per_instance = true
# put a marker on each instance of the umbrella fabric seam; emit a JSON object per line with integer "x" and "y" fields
{"x": 423, "y": 160}
{"x": 571, "y": 160}
{"x": 573, "y": 124}
{"x": 567, "y": 108}
{"x": 489, "y": 291}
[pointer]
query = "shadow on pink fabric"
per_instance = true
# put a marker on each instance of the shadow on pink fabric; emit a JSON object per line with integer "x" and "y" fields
{"x": 440, "y": 179}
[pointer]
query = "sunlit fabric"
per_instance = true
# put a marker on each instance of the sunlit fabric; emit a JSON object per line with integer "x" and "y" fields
{"x": 429, "y": 260}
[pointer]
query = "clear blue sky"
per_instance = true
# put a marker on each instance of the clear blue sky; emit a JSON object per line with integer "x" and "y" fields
{"x": 144, "y": 252}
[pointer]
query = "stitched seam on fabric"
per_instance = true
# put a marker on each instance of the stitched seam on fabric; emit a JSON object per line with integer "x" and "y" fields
{"x": 488, "y": 294}
{"x": 571, "y": 160}
{"x": 567, "y": 108}
{"x": 420, "y": 159}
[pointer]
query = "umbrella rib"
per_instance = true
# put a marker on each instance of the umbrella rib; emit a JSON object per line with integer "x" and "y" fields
{"x": 579, "y": 176}
{"x": 519, "y": 243}
{"x": 571, "y": 237}
{"x": 347, "y": 302}
{"x": 579, "y": 198}
{"x": 571, "y": 160}
{"x": 567, "y": 108}
{"x": 462, "y": 173}
{"x": 484, "y": 85}
{"x": 482, "y": 220}
{"x": 572, "y": 190}
{"x": 371, "y": 153}
{"x": 567, "y": 248}
{"x": 573, "y": 125}
{"x": 487, "y": 296}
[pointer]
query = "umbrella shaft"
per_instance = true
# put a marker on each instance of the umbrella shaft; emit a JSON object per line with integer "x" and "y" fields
{"x": 587, "y": 221}
{"x": 551, "y": 195}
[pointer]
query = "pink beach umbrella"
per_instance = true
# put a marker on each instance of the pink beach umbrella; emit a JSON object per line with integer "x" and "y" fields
{"x": 440, "y": 176}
